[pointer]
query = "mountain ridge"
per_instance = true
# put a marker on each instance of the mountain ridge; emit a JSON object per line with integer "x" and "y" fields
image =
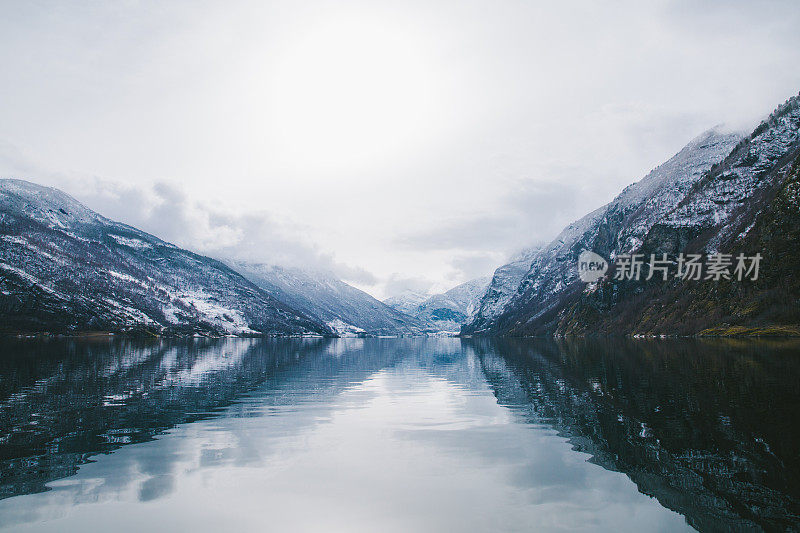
{"x": 618, "y": 226}
{"x": 444, "y": 312}
{"x": 67, "y": 269}
{"x": 344, "y": 308}
{"x": 713, "y": 211}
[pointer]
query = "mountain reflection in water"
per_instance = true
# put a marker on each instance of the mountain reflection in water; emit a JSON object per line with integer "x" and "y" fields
{"x": 425, "y": 434}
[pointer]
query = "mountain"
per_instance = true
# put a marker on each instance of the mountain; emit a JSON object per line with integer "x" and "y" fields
{"x": 66, "y": 269}
{"x": 445, "y": 312}
{"x": 407, "y": 301}
{"x": 618, "y": 227}
{"x": 502, "y": 287}
{"x": 345, "y": 309}
{"x": 748, "y": 204}
{"x": 718, "y": 194}
{"x": 450, "y": 310}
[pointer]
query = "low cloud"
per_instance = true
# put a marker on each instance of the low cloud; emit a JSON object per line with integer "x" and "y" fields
{"x": 398, "y": 284}
{"x": 475, "y": 265}
{"x": 531, "y": 212}
{"x": 168, "y": 213}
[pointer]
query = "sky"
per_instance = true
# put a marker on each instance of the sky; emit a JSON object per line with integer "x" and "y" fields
{"x": 401, "y": 145}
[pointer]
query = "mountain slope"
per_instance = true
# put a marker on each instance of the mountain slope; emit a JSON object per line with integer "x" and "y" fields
{"x": 407, "y": 301}
{"x": 445, "y": 312}
{"x": 502, "y": 287}
{"x": 748, "y": 204}
{"x": 344, "y": 308}
{"x": 450, "y": 310}
{"x": 65, "y": 268}
{"x": 618, "y": 227}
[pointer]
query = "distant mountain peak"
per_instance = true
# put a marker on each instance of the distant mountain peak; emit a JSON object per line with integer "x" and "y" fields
{"x": 346, "y": 309}
{"x": 407, "y": 301}
{"x": 445, "y": 312}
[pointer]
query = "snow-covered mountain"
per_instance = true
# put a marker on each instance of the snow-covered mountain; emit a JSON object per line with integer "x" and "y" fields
{"x": 445, "y": 312}
{"x": 707, "y": 198}
{"x": 748, "y": 204}
{"x": 344, "y": 308}
{"x": 504, "y": 284}
{"x": 720, "y": 205}
{"x": 65, "y": 268}
{"x": 449, "y": 310}
{"x": 407, "y": 301}
{"x": 617, "y": 227}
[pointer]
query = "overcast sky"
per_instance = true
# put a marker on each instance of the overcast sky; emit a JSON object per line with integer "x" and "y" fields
{"x": 400, "y": 144}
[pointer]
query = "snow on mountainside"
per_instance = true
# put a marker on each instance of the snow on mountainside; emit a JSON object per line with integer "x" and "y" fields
{"x": 65, "y": 268}
{"x": 448, "y": 311}
{"x": 746, "y": 204}
{"x": 504, "y": 284}
{"x": 617, "y": 227}
{"x": 407, "y": 302}
{"x": 467, "y": 296}
{"x": 645, "y": 203}
{"x": 347, "y": 310}
{"x": 720, "y": 200}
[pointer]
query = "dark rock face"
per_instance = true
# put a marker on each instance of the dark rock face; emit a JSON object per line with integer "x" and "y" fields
{"x": 444, "y": 313}
{"x": 66, "y": 269}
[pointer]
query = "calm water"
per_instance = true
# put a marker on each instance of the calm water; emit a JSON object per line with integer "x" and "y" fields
{"x": 399, "y": 435}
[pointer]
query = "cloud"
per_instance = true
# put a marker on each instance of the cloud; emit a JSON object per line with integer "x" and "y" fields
{"x": 529, "y": 212}
{"x": 168, "y": 213}
{"x": 398, "y": 284}
{"x": 475, "y": 265}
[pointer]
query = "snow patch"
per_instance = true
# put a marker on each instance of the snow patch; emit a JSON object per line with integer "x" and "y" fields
{"x": 131, "y": 243}
{"x": 343, "y": 329}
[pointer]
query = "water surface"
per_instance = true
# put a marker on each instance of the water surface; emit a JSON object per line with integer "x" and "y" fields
{"x": 399, "y": 435}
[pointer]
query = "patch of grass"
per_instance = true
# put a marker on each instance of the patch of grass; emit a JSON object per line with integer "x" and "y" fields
{"x": 745, "y": 331}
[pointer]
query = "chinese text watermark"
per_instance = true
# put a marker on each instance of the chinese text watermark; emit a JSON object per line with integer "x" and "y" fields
{"x": 689, "y": 267}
